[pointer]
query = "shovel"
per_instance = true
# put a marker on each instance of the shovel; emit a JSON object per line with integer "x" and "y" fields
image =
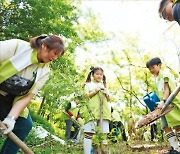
{"x": 157, "y": 113}
{"x": 16, "y": 140}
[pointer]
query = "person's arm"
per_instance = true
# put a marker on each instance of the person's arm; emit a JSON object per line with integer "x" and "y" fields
{"x": 93, "y": 93}
{"x": 20, "y": 105}
{"x": 107, "y": 97}
{"x": 165, "y": 96}
{"x": 15, "y": 111}
{"x": 166, "y": 91}
{"x": 106, "y": 92}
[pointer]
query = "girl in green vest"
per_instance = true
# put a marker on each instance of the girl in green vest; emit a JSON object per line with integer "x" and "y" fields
{"x": 23, "y": 71}
{"x": 97, "y": 91}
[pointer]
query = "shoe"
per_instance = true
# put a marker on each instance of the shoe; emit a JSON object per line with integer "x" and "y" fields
{"x": 172, "y": 151}
{"x": 105, "y": 142}
{"x": 74, "y": 141}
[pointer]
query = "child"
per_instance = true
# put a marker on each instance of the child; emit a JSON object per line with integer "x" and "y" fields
{"x": 170, "y": 10}
{"x": 72, "y": 110}
{"x": 116, "y": 125}
{"x": 95, "y": 89}
{"x": 164, "y": 86}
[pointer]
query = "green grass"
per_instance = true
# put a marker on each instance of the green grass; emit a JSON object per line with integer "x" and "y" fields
{"x": 49, "y": 146}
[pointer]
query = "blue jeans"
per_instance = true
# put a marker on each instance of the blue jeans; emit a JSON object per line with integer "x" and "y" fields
{"x": 21, "y": 129}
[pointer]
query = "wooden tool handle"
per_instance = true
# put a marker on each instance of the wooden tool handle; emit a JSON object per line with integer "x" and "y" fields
{"x": 17, "y": 141}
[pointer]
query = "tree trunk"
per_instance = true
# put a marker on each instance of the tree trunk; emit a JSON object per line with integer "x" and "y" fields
{"x": 41, "y": 106}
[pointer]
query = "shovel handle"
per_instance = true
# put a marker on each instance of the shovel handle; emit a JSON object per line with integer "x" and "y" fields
{"x": 170, "y": 98}
{"x": 16, "y": 140}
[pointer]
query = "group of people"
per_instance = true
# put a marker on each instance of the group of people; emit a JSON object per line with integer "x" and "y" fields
{"x": 24, "y": 70}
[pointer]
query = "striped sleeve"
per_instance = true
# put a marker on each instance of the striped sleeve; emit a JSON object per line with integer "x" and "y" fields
{"x": 15, "y": 59}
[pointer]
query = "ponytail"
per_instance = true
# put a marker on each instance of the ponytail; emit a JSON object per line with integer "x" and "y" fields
{"x": 89, "y": 77}
{"x": 36, "y": 42}
{"x": 104, "y": 81}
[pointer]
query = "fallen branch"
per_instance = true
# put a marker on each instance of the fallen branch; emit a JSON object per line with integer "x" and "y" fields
{"x": 42, "y": 144}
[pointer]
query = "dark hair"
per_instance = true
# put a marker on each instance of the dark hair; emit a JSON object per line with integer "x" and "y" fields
{"x": 92, "y": 71}
{"x": 51, "y": 41}
{"x": 162, "y": 4}
{"x": 153, "y": 61}
{"x": 79, "y": 97}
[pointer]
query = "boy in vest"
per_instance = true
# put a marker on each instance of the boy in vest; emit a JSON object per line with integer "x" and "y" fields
{"x": 170, "y": 10}
{"x": 72, "y": 110}
{"x": 164, "y": 86}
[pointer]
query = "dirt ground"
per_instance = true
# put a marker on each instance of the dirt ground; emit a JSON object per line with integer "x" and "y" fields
{"x": 139, "y": 148}
{"x": 149, "y": 148}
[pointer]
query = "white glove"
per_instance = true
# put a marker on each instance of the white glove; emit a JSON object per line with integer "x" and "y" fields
{"x": 100, "y": 86}
{"x": 73, "y": 118}
{"x": 80, "y": 121}
{"x": 9, "y": 122}
{"x": 160, "y": 104}
{"x": 97, "y": 89}
{"x": 106, "y": 91}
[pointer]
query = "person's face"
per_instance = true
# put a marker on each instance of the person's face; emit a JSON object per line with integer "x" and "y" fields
{"x": 45, "y": 55}
{"x": 77, "y": 101}
{"x": 167, "y": 12}
{"x": 98, "y": 75}
{"x": 155, "y": 69}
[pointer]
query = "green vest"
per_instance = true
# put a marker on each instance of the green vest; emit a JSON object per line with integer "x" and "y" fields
{"x": 74, "y": 111}
{"x": 173, "y": 116}
{"x": 91, "y": 110}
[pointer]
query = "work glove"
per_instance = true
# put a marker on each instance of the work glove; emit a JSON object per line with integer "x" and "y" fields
{"x": 160, "y": 104}
{"x": 9, "y": 122}
{"x": 100, "y": 86}
{"x": 80, "y": 121}
{"x": 73, "y": 118}
{"x": 97, "y": 89}
{"x": 106, "y": 91}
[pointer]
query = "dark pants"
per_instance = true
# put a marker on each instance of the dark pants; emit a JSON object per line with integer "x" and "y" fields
{"x": 69, "y": 125}
{"x": 118, "y": 124}
{"x": 21, "y": 129}
{"x": 153, "y": 131}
